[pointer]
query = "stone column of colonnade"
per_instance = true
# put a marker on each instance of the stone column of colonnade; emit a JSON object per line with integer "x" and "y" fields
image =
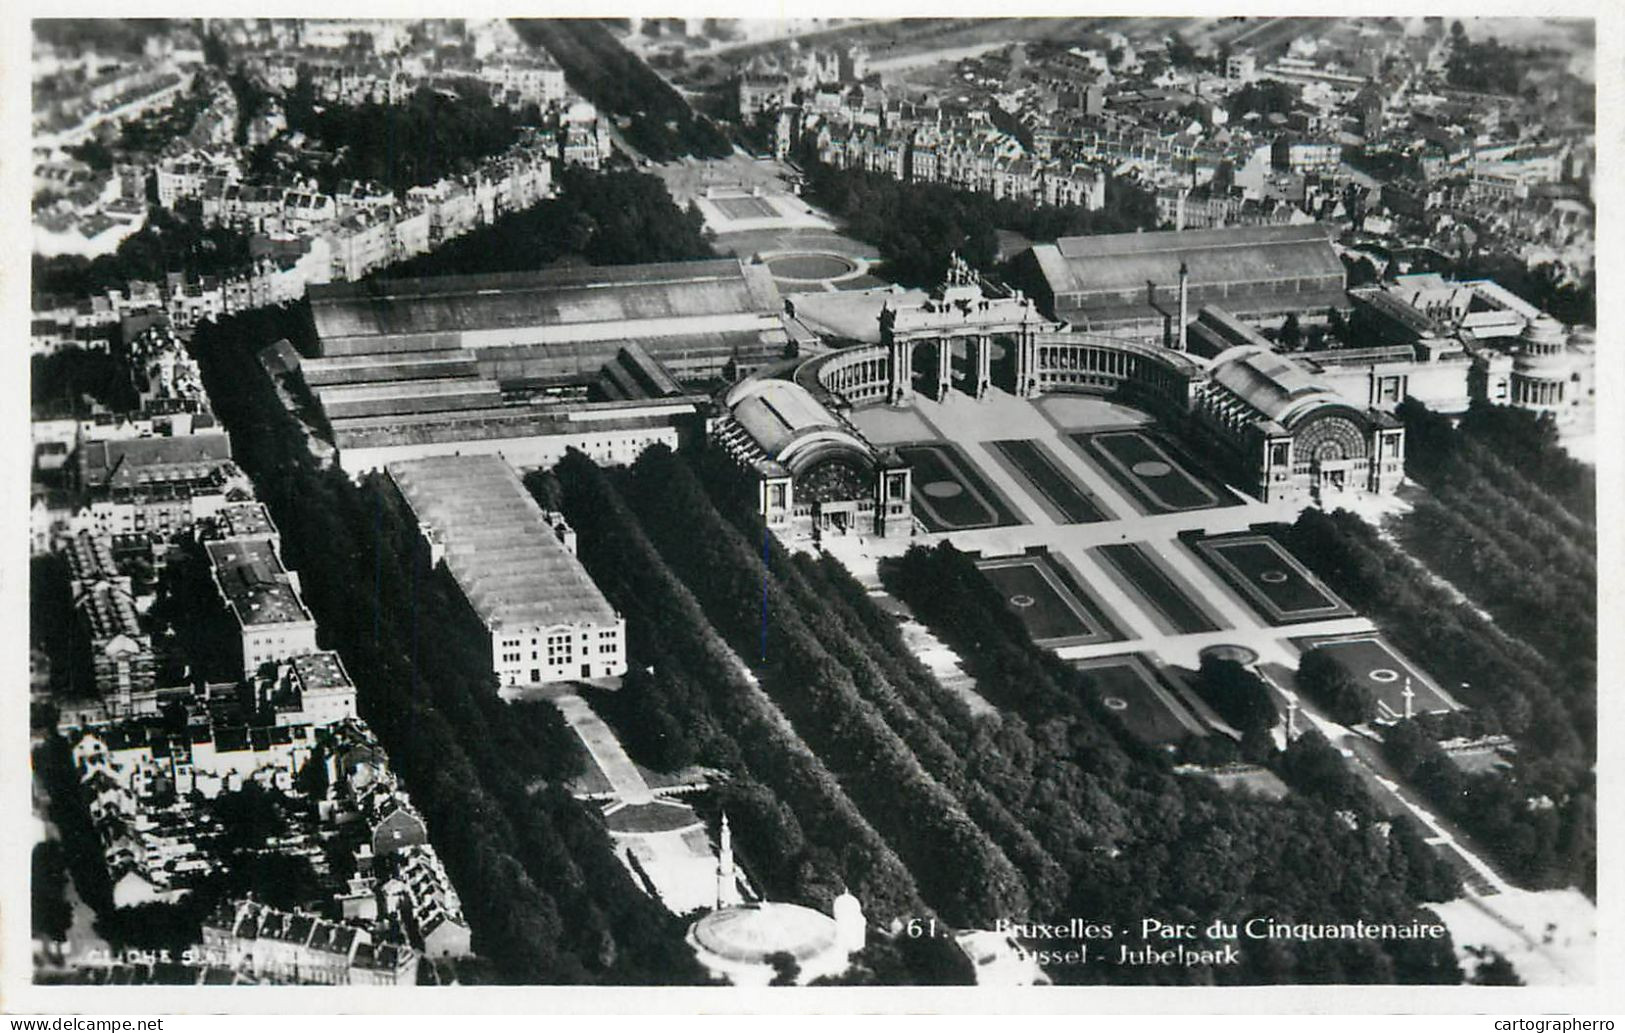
{"x": 1026, "y": 364}
{"x": 860, "y": 378}
{"x": 981, "y": 362}
{"x": 979, "y": 354}
{"x": 900, "y": 390}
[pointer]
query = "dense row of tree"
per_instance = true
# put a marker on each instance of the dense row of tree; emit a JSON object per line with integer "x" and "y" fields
{"x": 1518, "y": 449}
{"x": 798, "y": 832}
{"x": 1485, "y": 668}
{"x": 917, "y": 225}
{"x": 67, "y": 809}
{"x": 1510, "y": 519}
{"x": 50, "y": 912}
{"x": 1181, "y": 846}
{"x": 554, "y": 904}
{"x": 1535, "y": 582}
{"x": 814, "y": 679}
{"x": 659, "y": 122}
{"x": 1544, "y": 838}
{"x": 609, "y": 218}
{"x": 435, "y": 133}
{"x": 1084, "y": 794}
{"x": 934, "y": 722}
{"x": 1314, "y": 767}
{"x": 1513, "y": 688}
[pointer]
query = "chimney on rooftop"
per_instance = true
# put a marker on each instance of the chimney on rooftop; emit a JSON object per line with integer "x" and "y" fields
{"x": 1184, "y": 303}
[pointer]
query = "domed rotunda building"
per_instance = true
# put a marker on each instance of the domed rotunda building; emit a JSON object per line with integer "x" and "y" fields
{"x": 1542, "y": 367}
{"x": 740, "y": 941}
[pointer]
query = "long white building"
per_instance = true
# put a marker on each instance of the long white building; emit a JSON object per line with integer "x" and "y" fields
{"x": 546, "y": 619}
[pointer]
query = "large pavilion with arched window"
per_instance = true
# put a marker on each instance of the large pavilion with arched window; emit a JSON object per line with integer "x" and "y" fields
{"x": 815, "y": 472}
{"x": 1286, "y": 435}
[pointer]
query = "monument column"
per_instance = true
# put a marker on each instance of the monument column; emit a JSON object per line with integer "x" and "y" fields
{"x": 727, "y": 880}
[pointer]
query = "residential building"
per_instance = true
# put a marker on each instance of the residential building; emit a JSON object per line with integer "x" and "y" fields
{"x": 263, "y": 598}
{"x": 419, "y": 889}
{"x": 762, "y": 92}
{"x": 310, "y": 689}
{"x": 120, "y": 650}
{"x": 533, "y": 78}
{"x": 296, "y": 947}
{"x": 1299, "y": 154}
{"x": 155, "y": 484}
{"x": 360, "y": 243}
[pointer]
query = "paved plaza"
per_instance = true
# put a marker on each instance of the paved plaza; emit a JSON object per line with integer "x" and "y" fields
{"x": 736, "y": 211}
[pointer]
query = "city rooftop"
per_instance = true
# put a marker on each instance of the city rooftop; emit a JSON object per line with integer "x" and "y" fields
{"x": 498, "y": 546}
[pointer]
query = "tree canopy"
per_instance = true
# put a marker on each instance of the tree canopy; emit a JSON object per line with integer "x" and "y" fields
{"x": 436, "y": 133}
{"x": 607, "y": 218}
{"x": 1330, "y": 684}
{"x": 916, "y": 226}
{"x": 1538, "y": 819}
{"x": 169, "y": 242}
{"x": 1159, "y": 828}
